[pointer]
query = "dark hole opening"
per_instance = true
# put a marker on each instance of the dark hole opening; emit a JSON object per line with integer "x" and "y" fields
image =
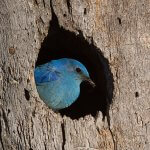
{"x": 27, "y": 94}
{"x": 64, "y": 15}
{"x": 8, "y": 111}
{"x": 136, "y": 94}
{"x": 61, "y": 43}
{"x": 85, "y": 11}
{"x": 119, "y": 20}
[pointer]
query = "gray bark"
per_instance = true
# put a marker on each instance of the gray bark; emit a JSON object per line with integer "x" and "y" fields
{"x": 120, "y": 29}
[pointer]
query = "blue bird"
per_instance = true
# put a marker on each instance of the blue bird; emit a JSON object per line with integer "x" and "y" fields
{"x": 58, "y": 82}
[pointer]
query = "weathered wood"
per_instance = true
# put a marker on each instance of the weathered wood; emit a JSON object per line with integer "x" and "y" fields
{"x": 120, "y": 29}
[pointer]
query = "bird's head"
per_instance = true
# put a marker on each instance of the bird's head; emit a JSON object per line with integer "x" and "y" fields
{"x": 77, "y": 70}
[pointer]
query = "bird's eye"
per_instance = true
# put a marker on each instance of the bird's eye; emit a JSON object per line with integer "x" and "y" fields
{"x": 78, "y": 70}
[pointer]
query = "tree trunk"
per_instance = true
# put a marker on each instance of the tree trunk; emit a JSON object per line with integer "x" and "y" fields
{"x": 120, "y": 32}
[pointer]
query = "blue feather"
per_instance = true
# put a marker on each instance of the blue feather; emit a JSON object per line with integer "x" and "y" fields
{"x": 46, "y": 73}
{"x": 58, "y": 82}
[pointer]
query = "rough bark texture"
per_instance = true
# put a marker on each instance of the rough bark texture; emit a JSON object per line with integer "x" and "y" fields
{"x": 121, "y": 29}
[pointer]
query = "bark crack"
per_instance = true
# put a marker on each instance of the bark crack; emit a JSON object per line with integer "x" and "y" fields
{"x": 108, "y": 121}
{"x": 5, "y": 120}
{"x": 69, "y": 6}
{"x": 1, "y": 136}
{"x": 36, "y": 2}
{"x": 44, "y": 3}
{"x": 1, "y": 140}
{"x": 113, "y": 139}
{"x": 63, "y": 136}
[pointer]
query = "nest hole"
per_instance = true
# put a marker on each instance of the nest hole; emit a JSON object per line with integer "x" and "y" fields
{"x": 61, "y": 43}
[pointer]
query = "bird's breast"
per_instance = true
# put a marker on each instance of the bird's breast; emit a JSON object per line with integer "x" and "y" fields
{"x": 59, "y": 94}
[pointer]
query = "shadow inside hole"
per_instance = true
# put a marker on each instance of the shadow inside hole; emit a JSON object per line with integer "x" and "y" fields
{"x": 61, "y": 43}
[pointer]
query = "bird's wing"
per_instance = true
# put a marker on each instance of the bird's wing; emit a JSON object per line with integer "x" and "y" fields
{"x": 46, "y": 73}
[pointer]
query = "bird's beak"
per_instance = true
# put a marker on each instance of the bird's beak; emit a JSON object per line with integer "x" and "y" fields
{"x": 89, "y": 81}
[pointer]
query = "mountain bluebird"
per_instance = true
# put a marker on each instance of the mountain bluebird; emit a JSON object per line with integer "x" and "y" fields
{"x": 58, "y": 82}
